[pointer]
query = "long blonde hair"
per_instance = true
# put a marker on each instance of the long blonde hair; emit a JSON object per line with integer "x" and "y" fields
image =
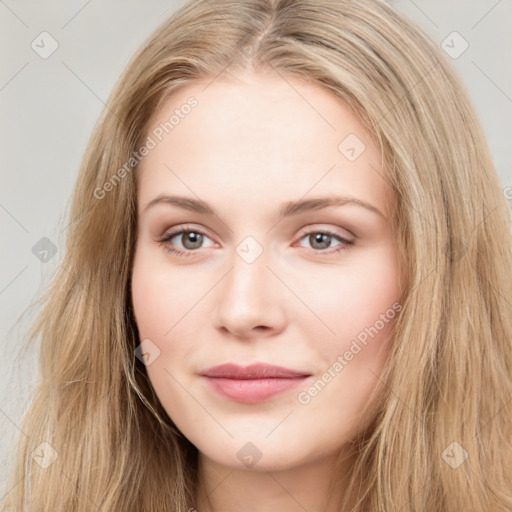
{"x": 442, "y": 440}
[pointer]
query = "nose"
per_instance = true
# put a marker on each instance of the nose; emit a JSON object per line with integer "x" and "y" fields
{"x": 249, "y": 301}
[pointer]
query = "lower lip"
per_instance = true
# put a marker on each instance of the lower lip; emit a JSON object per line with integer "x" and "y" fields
{"x": 252, "y": 391}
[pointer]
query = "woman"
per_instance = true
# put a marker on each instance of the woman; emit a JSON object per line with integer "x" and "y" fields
{"x": 287, "y": 283}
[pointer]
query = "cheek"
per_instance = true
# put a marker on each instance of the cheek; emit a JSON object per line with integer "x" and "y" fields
{"x": 356, "y": 300}
{"x": 160, "y": 297}
{"x": 158, "y": 309}
{"x": 168, "y": 308}
{"x": 360, "y": 307}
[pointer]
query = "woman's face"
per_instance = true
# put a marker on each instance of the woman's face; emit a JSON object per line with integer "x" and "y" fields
{"x": 273, "y": 193}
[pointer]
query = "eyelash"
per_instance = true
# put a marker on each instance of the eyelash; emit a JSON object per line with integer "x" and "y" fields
{"x": 167, "y": 237}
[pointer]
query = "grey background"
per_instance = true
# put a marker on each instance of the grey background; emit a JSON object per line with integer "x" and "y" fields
{"x": 49, "y": 107}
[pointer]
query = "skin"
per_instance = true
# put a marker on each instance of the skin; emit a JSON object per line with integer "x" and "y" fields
{"x": 252, "y": 144}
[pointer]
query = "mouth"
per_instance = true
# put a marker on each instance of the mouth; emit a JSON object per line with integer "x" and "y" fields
{"x": 254, "y": 383}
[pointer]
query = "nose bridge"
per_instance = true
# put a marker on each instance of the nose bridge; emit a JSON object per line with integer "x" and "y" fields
{"x": 247, "y": 282}
{"x": 248, "y": 297}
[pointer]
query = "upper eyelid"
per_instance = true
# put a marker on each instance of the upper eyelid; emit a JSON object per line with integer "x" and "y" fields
{"x": 172, "y": 232}
{"x": 313, "y": 229}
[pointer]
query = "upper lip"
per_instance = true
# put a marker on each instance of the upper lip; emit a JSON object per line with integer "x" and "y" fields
{"x": 253, "y": 371}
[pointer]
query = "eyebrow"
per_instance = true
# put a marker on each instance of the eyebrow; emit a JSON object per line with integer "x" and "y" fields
{"x": 288, "y": 209}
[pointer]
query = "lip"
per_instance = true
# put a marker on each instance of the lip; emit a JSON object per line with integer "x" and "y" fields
{"x": 253, "y": 371}
{"x": 254, "y": 383}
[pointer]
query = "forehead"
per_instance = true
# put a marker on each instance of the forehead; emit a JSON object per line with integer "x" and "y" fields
{"x": 263, "y": 135}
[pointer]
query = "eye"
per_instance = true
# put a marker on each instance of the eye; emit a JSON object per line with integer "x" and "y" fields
{"x": 321, "y": 239}
{"x": 190, "y": 239}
